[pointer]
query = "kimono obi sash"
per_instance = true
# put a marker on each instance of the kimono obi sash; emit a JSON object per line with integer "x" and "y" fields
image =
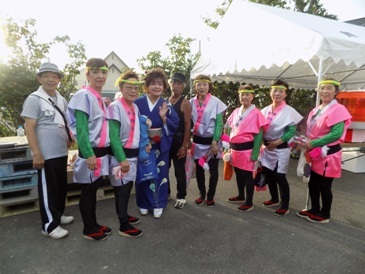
{"x": 283, "y": 145}
{"x": 98, "y": 151}
{"x": 129, "y": 152}
{"x": 155, "y": 134}
{"x": 242, "y": 146}
{"x": 333, "y": 149}
{"x": 202, "y": 140}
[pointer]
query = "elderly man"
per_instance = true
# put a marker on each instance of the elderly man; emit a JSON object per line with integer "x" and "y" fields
{"x": 182, "y": 135}
{"x": 49, "y": 140}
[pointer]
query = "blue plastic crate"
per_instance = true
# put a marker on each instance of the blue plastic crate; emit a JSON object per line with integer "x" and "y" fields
{"x": 18, "y": 182}
{"x": 17, "y": 169}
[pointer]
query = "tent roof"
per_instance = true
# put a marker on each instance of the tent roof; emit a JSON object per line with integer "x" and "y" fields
{"x": 257, "y": 43}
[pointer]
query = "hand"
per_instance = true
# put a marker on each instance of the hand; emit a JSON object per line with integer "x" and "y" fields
{"x": 163, "y": 112}
{"x": 272, "y": 145}
{"x": 125, "y": 166}
{"x": 91, "y": 162}
{"x": 181, "y": 153}
{"x": 307, "y": 145}
{"x": 148, "y": 148}
{"x": 38, "y": 161}
{"x": 214, "y": 148}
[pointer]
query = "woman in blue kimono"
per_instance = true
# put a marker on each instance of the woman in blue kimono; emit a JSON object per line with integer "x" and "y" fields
{"x": 152, "y": 194}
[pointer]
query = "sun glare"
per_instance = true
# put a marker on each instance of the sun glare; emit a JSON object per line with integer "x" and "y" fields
{"x": 4, "y": 50}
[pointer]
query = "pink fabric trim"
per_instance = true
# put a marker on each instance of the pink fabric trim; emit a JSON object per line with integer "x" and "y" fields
{"x": 200, "y": 110}
{"x": 132, "y": 117}
{"x": 103, "y": 133}
{"x": 271, "y": 115}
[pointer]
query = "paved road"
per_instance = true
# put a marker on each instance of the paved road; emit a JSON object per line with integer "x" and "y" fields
{"x": 198, "y": 239}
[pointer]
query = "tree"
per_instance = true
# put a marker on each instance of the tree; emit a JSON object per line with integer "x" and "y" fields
{"x": 17, "y": 74}
{"x": 180, "y": 60}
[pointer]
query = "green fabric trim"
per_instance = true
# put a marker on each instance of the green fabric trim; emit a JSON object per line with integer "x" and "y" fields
{"x": 115, "y": 143}
{"x": 82, "y": 131}
{"x": 290, "y": 132}
{"x": 257, "y": 143}
{"x": 218, "y": 127}
{"x": 336, "y": 132}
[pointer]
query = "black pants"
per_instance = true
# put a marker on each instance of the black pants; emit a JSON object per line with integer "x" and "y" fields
{"x": 52, "y": 190}
{"x": 87, "y": 205}
{"x": 244, "y": 180}
{"x": 213, "y": 179}
{"x": 275, "y": 179}
{"x": 320, "y": 187}
{"x": 122, "y": 194}
{"x": 179, "y": 166}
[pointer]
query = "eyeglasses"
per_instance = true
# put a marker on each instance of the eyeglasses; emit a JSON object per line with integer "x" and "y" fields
{"x": 131, "y": 88}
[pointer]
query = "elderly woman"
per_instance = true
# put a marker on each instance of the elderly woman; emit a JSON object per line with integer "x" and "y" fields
{"x": 153, "y": 194}
{"x": 124, "y": 131}
{"x": 326, "y": 129}
{"x": 246, "y": 130}
{"x": 207, "y": 117}
{"x": 87, "y": 114}
{"x": 281, "y": 127}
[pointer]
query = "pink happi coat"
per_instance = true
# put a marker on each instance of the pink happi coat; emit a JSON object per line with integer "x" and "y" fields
{"x": 244, "y": 132}
{"x": 328, "y": 166}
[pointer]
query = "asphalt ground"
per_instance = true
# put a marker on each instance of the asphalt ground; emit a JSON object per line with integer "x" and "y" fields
{"x": 198, "y": 239}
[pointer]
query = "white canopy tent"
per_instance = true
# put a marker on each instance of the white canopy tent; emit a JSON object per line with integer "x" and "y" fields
{"x": 256, "y": 44}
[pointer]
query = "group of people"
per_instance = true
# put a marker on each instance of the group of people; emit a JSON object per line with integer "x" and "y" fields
{"x": 109, "y": 139}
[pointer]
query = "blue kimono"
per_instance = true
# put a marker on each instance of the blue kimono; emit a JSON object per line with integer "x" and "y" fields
{"x": 153, "y": 194}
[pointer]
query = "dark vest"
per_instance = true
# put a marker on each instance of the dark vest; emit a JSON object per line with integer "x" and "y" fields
{"x": 177, "y": 107}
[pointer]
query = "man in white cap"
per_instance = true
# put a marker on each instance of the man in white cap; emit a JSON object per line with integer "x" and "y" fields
{"x": 182, "y": 136}
{"x": 49, "y": 139}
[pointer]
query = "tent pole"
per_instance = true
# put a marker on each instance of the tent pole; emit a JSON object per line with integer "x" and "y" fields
{"x": 320, "y": 72}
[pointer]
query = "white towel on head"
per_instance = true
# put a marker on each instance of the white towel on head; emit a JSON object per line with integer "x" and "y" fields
{"x": 48, "y": 108}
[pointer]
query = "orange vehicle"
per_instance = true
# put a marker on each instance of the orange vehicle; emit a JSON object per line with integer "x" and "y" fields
{"x": 354, "y": 101}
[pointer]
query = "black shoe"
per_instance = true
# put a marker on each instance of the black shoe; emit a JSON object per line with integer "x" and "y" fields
{"x": 128, "y": 230}
{"x": 106, "y": 230}
{"x": 305, "y": 213}
{"x": 281, "y": 212}
{"x": 133, "y": 220}
{"x": 210, "y": 203}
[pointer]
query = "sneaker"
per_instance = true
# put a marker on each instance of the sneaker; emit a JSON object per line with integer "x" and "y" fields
{"x": 143, "y": 211}
{"x": 180, "y": 203}
{"x": 65, "y": 220}
{"x": 130, "y": 231}
{"x": 245, "y": 208}
{"x": 106, "y": 230}
{"x": 318, "y": 218}
{"x": 235, "y": 200}
{"x": 56, "y": 233}
{"x": 157, "y": 212}
{"x": 270, "y": 203}
{"x": 210, "y": 203}
{"x": 199, "y": 201}
{"x": 133, "y": 220}
{"x": 96, "y": 236}
{"x": 281, "y": 212}
{"x": 305, "y": 213}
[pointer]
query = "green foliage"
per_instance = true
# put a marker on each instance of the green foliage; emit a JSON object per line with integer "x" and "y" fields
{"x": 180, "y": 60}
{"x": 17, "y": 74}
